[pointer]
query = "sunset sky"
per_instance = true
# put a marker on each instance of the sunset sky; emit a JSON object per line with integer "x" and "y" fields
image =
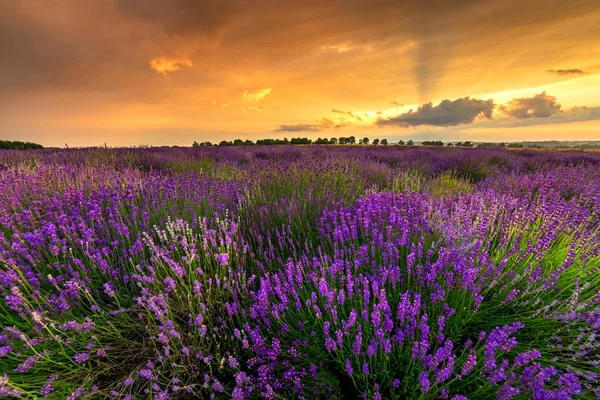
{"x": 158, "y": 72}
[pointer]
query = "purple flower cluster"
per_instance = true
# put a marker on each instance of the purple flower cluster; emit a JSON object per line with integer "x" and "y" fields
{"x": 210, "y": 273}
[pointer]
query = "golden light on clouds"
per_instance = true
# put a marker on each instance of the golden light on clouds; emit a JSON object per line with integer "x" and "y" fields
{"x": 183, "y": 71}
{"x": 164, "y": 65}
{"x": 256, "y": 95}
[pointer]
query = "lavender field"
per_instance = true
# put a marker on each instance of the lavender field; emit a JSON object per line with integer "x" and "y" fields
{"x": 299, "y": 272}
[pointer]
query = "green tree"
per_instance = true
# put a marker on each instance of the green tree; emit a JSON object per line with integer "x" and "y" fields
{"x": 376, "y": 142}
{"x": 384, "y": 142}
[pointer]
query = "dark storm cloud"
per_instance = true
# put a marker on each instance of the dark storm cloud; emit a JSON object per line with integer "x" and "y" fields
{"x": 447, "y": 113}
{"x": 65, "y": 44}
{"x": 572, "y": 71}
{"x": 539, "y": 106}
{"x": 70, "y": 43}
{"x": 31, "y": 55}
{"x": 182, "y": 16}
{"x": 274, "y": 30}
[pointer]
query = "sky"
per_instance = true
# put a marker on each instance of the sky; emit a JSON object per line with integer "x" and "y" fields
{"x": 158, "y": 72}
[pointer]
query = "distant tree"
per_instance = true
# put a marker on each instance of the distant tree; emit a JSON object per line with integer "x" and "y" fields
{"x": 468, "y": 144}
{"x": 515, "y": 146}
{"x": 195, "y": 144}
{"x": 376, "y": 142}
{"x": 365, "y": 140}
{"x": 238, "y": 142}
{"x": 206, "y": 144}
{"x": 342, "y": 140}
{"x": 248, "y": 142}
{"x": 401, "y": 142}
{"x": 333, "y": 140}
{"x": 492, "y": 145}
{"x": 267, "y": 142}
{"x": 351, "y": 140}
{"x": 300, "y": 141}
{"x": 433, "y": 143}
{"x": 384, "y": 142}
{"x": 410, "y": 143}
{"x": 449, "y": 144}
{"x": 225, "y": 143}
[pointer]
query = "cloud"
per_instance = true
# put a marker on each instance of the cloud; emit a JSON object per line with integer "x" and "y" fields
{"x": 395, "y": 104}
{"x": 164, "y": 65}
{"x": 325, "y": 124}
{"x": 180, "y": 17}
{"x": 580, "y": 111}
{"x": 448, "y": 113}
{"x": 255, "y": 109}
{"x": 343, "y": 48}
{"x": 572, "y": 71}
{"x": 256, "y": 95}
{"x": 539, "y": 106}
{"x": 347, "y": 114}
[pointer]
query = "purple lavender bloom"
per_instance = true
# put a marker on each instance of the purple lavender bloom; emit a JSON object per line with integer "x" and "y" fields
{"x": 365, "y": 368}
{"x": 217, "y": 386}
{"x": 5, "y": 350}
{"x": 424, "y": 381}
{"x": 170, "y": 284}
{"x": 164, "y": 395}
{"x": 81, "y": 358}
{"x": 348, "y": 367}
{"x": 222, "y": 259}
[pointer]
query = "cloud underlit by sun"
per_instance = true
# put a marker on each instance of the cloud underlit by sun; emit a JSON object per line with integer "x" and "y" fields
{"x": 164, "y": 65}
{"x": 256, "y": 95}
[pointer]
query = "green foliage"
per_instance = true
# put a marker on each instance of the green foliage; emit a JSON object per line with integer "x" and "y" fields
{"x": 16, "y": 145}
{"x": 448, "y": 184}
{"x": 438, "y": 143}
{"x": 411, "y": 180}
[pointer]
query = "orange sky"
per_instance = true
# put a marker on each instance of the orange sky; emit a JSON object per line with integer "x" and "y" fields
{"x": 128, "y": 72}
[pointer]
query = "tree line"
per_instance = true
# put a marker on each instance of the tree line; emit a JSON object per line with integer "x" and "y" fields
{"x": 16, "y": 145}
{"x": 351, "y": 140}
{"x": 293, "y": 141}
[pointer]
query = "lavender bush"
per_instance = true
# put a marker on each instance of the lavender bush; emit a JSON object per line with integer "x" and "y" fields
{"x": 299, "y": 272}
